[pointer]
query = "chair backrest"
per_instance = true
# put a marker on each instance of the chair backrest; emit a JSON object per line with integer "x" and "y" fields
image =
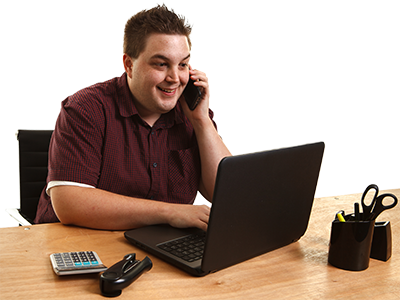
{"x": 33, "y": 160}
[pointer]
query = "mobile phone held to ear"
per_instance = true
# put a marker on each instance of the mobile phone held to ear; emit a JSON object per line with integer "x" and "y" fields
{"x": 192, "y": 94}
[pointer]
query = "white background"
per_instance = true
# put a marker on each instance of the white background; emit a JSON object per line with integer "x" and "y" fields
{"x": 282, "y": 73}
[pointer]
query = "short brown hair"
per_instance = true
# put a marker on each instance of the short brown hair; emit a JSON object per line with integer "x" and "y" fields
{"x": 156, "y": 20}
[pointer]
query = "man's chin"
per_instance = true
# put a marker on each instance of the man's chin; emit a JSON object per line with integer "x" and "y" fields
{"x": 167, "y": 106}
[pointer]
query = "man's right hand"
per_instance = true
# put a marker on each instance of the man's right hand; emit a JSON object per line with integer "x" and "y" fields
{"x": 187, "y": 215}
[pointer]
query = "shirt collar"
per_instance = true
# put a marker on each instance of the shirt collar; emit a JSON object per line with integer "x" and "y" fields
{"x": 128, "y": 109}
{"x": 125, "y": 98}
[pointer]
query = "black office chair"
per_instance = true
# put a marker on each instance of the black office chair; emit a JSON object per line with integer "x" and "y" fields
{"x": 33, "y": 155}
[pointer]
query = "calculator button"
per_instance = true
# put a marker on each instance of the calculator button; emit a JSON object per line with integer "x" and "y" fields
{"x": 76, "y": 263}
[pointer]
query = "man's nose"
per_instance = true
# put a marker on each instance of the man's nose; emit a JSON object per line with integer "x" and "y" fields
{"x": 173, "y": 75}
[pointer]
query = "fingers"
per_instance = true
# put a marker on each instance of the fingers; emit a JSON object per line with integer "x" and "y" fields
{"x": 190, "y": 216}
{"x": 199, "y": 217}
{"x": 203, "y": 226}
{"x": 200, "y": 79}
{"x": 204, "y": 217}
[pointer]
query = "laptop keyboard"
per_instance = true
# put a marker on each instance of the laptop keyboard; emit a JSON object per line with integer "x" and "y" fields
{"x": 189, "y": 248}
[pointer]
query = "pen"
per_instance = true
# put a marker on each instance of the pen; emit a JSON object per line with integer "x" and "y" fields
{"x": 340, "y": 217}
{"x": 357, "y": 211}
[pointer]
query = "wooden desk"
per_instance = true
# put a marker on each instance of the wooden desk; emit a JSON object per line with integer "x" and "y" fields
{"x": 297, "y": 271}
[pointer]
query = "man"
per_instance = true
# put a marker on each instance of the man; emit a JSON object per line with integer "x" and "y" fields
{"x": 129, "y": 152}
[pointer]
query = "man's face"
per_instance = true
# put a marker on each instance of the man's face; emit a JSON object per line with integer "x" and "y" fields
{"x": 159, "y": 75}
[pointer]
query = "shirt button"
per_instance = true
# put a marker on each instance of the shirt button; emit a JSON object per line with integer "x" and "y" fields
{"x": 155, "y": 165}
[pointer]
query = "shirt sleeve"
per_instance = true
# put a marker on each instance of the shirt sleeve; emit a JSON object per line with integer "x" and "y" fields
{"x": 75, "y": 148}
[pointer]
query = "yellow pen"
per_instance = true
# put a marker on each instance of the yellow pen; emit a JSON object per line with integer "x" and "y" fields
{"x": 340, "y": 217}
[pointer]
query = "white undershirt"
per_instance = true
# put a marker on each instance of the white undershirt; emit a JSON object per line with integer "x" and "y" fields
{"x": 71, "y": 183}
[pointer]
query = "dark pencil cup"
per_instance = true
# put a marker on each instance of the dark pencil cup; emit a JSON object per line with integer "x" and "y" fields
{"x": 350, "y": 244}
{"x": 382, "y": 241}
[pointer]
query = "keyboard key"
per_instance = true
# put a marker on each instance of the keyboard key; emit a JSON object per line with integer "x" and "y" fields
{"x": 189, "y": 248}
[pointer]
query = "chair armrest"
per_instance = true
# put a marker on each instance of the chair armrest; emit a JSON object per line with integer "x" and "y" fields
{"x": 9, "y": 212}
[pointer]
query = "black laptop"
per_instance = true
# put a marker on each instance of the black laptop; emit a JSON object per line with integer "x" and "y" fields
{"x": 262, "y": 201}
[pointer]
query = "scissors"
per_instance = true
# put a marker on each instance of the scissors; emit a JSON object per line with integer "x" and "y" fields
{"x": 372, "y": 211}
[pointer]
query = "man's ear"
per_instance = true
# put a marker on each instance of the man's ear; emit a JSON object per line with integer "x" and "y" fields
{"x": 128, "y": 64}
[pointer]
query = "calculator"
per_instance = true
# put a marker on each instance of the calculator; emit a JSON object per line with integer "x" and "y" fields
{"x": 71, "y": 263}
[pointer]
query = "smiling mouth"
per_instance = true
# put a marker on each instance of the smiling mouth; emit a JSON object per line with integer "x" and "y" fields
{"x": 166, "y": 90}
